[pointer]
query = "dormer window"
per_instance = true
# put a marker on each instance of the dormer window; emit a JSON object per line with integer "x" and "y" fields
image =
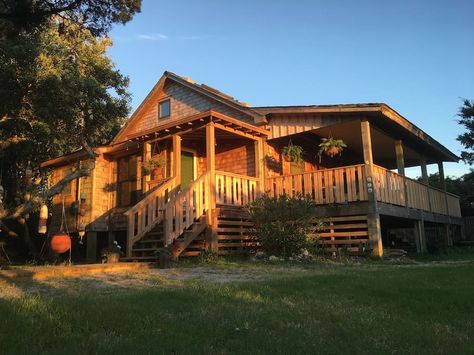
{"x": 164, "y": 109}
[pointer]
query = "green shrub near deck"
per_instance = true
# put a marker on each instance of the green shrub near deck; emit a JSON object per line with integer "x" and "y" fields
{"x": 283, "y": 223}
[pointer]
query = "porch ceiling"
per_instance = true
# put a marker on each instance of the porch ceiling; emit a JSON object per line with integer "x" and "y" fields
{"x": 383, "y": 145}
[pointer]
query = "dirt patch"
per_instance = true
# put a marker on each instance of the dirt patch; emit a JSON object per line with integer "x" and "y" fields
{"x": 106, "y": 282}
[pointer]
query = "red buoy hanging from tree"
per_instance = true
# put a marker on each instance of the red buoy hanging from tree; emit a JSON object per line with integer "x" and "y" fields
{"x": 60, "y": 243}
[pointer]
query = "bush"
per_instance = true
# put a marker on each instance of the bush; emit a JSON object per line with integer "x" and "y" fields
{"x": 284, "y": 225}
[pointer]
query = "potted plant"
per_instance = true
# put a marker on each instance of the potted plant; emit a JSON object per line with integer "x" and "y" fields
{"x": 293, "y": 153}
{"x": 112, "y": 253}
{"x": 331, "y": 146}
{"x": 155, "y": 162}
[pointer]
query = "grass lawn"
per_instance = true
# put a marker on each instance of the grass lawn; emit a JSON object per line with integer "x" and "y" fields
{"x": 420, "y": 308}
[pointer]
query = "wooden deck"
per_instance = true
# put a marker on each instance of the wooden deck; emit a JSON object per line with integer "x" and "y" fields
{"x": 179, "y": 210}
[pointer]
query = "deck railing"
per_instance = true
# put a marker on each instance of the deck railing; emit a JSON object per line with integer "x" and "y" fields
{"x": 347, "y": 184}
{"x": 143, "y": 216}
{"x": 340, "y": 185}
{"x": 186, "y": 208}
{"x": 234, "y": 189}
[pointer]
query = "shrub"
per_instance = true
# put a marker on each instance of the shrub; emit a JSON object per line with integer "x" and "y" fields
{"x": 283, "y": 224}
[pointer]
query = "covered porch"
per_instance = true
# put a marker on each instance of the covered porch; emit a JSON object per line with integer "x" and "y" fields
{"x": 368, "y": 179}
{"x": 212, "y": 161}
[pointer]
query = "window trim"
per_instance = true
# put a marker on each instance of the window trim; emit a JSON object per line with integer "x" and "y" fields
{"x": 160, "y": 117}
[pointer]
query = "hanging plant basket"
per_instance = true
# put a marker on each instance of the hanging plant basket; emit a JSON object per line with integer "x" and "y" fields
{"x": 154, "y": 163}
{"x": 293, "y": 153}
{"x": 331, "y": 147}
{"x": 331, "y": 152}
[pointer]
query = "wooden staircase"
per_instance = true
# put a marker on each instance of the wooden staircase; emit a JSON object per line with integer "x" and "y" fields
{"x": 145, "y": 249}
{"x": 167, "y": 218}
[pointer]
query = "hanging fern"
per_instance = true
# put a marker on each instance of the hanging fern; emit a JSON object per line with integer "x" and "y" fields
{"x": 331, "y": 147}
{"x": 293, "y": 153}
{"x": 153, "y": 163}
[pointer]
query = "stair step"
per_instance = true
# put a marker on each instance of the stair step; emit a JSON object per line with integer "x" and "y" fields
{"x": 143, "y": 249}
{"x": 150, "y": 241}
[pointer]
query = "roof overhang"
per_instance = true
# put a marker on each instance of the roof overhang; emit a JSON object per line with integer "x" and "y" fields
{"x": 189, "y": 124}
{"x": 380, "y": 114}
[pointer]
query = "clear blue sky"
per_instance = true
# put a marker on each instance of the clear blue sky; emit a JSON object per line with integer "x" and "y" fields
{"x": 416, "y": 56}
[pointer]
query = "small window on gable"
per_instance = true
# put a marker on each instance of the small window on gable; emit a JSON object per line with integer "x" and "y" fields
{"x": 164, "y": 109}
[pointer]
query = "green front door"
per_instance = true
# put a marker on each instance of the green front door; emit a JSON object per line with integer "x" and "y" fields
{"x": 187, "y": 168}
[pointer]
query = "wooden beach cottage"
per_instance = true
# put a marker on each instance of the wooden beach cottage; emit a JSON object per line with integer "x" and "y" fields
{"x": 190, "y": 157}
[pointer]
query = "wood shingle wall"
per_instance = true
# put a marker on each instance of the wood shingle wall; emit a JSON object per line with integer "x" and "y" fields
{"x": 184, "y": 102}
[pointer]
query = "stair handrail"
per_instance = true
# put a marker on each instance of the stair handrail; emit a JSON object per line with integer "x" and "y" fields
{"x": 148, "y": 212}
{"x": 186, "y": 207}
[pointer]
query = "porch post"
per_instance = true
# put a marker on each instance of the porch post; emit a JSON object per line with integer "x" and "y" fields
{"x": 260, "y": 164}
{"x": 177, "y": 159}
{"x": 145, "y": 157}
{"x": 400, "y": 157}
{"x": 424, "y": 170}
{"x": 211, "y": 191}
{"x": 441, "y": 176}
{"x": 420, "y": 236}
{"x": 424, "y": 177}
{"x": 373, "y": 217}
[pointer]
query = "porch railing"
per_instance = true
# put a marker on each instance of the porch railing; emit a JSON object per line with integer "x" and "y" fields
{"x": 234, "y": 189}
{"x": 185, "y": 208}
{"x": 399, "y": 190}
{"x": 143, "y": 216}
{"x": 347, "y": 184}
{"x": 340, "y": 185}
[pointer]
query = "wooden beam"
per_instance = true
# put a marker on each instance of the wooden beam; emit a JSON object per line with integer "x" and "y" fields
{"x": 260, "y": 163}
{"x": 211, "y": 190}
{"x": 441, "y": 175}
{"x": 424, "y": 170}
{"x": 400, "y": 157}
{"x": 235, "y": 131}
{"x": 177, "y": 158}
{"x": 373, "y": 218}
{"x": 420, "y": 237}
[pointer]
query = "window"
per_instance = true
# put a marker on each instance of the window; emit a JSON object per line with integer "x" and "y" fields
{"x": 164, "y": 109}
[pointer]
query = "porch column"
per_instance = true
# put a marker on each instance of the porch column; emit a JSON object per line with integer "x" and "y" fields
{"x": 177, "y": 158}
{"x": 373, "y": 217}
{"x": 211, "y": 192}
{"x": 400, "y": 157}
{"x": 424, "y": 176}
{"x": 420, "y": 237}
{"x": 260, "y": 164}
{"x": 441, "y": 175}
{"x": 146, "y": 155}
{"x": 424, "y": 170}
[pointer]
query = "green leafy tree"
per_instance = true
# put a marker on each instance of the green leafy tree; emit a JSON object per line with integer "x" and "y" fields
{"x": 60, "y": 92}
{"x": 466, "y": 114}
{"x": 97, "y": 16}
